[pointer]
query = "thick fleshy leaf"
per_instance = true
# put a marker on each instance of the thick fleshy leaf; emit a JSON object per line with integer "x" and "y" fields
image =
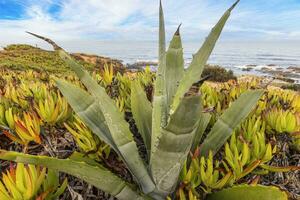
{"x": 202, "y": 125}
{"x": 159, "y": 113}
{"x": 194, "y": 71}
{"x": 118, "y": 127}
{"x": 97, "y": 176}
{"x": 88, "y": 109}
{"x": 174, "y": 144}
{"x": 120, "y": 133}
{"x": 229, "y": 120}
{"x": 174, "y": 67}
{"x": 249, "y": 192}
{"x": 142, "y": 112}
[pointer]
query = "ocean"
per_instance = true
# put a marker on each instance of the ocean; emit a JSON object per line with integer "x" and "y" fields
{"x": 253, "y": 57}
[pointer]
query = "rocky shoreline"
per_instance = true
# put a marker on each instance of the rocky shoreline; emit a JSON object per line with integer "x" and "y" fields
{"x": 290, "y": 74}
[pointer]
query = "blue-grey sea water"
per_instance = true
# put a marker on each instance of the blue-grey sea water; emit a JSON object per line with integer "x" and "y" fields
{"x": 235, "y": 55}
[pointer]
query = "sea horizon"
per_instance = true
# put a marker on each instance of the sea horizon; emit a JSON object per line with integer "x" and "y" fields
{"x": 242, "y": 57}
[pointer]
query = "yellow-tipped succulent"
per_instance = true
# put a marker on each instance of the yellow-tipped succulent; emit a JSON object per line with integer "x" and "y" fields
{"x": 205, "y": 173}
{"x": 211, "y": 176}
{"x": 54, "y": 109}
{"x": 16, "y": 96}
{"x": 9, "y": 117}
{"x": 124, "y": 90}
{"x": 280, "y": 121}
{"x": 284, "y": 98}
{"x": 107, "y": 75}
{"x": 243, "y": 157}
{"x": 251, "y": 126}
{"x": 2, "y": 115}
{"x": 29, "y": 182}
{"x": 145, "y": 77}
{"x": 87, "y": 141}
{"x": 27, "y": 129}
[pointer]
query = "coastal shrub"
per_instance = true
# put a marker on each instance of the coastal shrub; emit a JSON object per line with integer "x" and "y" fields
{"x": 14, "y": 47}
{"x": 22, "y": 57}
{"x": 218, "y": 74}
{"x": 295, "y": 87}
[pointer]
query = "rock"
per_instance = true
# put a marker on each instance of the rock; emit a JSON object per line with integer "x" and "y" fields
{"x": 264, "y": 69}
{"x": 295, "y": 87}
{"x": 294, "y": 69}
{"x": 251, "y": 66}
{"x": 247, "y": 69}
{"x": 288, "y": 80}
{"x": 141, "y": 64}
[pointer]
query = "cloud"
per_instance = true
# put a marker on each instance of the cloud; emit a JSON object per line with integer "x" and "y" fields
{"x": 137, "y": 19}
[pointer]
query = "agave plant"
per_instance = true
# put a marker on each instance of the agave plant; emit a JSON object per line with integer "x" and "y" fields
{"x": 171, "y": 125}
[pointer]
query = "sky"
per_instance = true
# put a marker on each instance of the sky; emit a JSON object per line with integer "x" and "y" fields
{"x": 67, "y": 20}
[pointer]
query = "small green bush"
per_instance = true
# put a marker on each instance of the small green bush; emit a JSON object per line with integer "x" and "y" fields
{"x": 218, "y": 74}
{"x": 295, "y": 87}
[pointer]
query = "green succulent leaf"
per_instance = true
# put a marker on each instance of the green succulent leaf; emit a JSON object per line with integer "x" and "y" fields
{"x": 142, "y": 112}
{"x": 97, "y": 176}
{"x": 159, "y": 114}
{"x": 88, "y": 109}
{"x": 194, "y": 71}
{"x": 174, "y": 67}
{"x": 202, "y": 125}
{"x": 249, "y": 192}
{"x": 174, "y": 144}
{"x": 229, "y": 120}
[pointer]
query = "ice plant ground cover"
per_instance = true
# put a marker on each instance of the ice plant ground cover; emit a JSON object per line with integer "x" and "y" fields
{"x": 148, "y": 136}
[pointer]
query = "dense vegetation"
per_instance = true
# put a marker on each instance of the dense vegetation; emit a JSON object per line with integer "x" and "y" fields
{"x": 144, "y": 135}
{"x": 20, "y": 57}
{"x": 25, "y": 95}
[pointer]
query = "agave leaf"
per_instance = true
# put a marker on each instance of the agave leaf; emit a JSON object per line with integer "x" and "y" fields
{"x": 229, "y": 120}
{"x": 114, "y": 119}
{"x": 194, "y": 71}
{"x": 76, "y": 156}
{"x": 142, "y": 112}
{"x": 159, "y": 114}
{"x": 249, "y": 192}
{"x": 88, "y": 109}
{"x": 119, "y": 130}
{"x": 202, "y": 125}
{"x": 174, "y": 144}
{"x": 97, "y": 176}
{"x": 174, "y": 67}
